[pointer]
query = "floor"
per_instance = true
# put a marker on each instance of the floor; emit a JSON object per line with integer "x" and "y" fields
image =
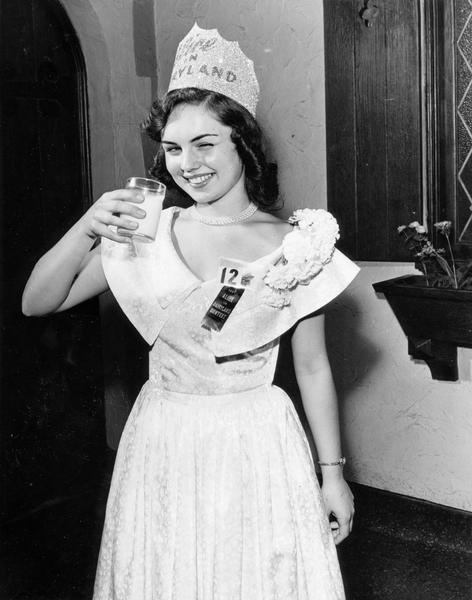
{"x": 401, "y": 549}
{"x": 405, "y": 549}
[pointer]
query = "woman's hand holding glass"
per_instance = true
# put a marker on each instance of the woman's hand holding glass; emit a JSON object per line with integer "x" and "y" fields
{"x": 118, "y": 208}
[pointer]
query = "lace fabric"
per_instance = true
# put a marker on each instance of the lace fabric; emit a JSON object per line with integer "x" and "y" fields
{"x": 215, "y": 498}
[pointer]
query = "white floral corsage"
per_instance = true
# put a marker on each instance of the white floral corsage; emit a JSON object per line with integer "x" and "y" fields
{"x": 305, "y": 251}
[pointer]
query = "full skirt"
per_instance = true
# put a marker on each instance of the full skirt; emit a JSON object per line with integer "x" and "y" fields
{"x": 216, "y": 498}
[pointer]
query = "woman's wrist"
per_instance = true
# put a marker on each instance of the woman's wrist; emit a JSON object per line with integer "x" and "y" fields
{"x": 332, "y": 473}
{"x": 332, "y": 470}
{"x": 85, "y": 230}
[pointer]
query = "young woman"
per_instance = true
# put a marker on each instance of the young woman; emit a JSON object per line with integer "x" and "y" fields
{"x": 214, "y": 493}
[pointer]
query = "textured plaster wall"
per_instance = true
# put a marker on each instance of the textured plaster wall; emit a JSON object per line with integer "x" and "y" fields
{"x": 285, "y": 41}
{"x": 119, "y": 50}
{"x": 403, "y": 431}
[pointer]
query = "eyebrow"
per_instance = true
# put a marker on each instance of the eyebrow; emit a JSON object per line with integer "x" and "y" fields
{"x": 195, "y": 139}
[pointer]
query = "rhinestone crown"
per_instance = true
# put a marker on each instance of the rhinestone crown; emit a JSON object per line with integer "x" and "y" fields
{"x": 206, "y": 60}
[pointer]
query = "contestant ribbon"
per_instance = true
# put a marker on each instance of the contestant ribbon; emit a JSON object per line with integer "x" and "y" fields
{"x": 221, "y": 307}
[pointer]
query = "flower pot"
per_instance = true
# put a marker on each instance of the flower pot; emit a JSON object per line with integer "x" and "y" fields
{"x": 435, "y": 320}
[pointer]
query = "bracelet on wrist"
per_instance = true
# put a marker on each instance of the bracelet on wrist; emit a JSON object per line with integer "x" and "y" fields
{"x": 337, "y": 463}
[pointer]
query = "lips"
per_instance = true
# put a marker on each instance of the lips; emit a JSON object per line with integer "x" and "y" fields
{"x": 199, "y": 180}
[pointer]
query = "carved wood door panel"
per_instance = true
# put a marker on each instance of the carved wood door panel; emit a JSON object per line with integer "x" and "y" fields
{"x": 374, "y": 119}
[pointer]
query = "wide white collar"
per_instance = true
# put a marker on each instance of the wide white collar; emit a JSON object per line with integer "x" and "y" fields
{"x": 147, "y": 278}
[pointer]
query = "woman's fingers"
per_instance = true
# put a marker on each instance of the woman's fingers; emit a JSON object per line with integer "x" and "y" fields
{"x": 102, "y": 217}
{"x": 121, "y": 202}
{"x": 123, "y": 239}
{"x": 344, "y": 529}
{"x": 102, "y": 230}
{"x": 114, "y": 208}
{"x": 123, "y": 207}
{"x": 123, "y": 223}
{"x": 341, "y": 529}
{"x": 339, "y": 503}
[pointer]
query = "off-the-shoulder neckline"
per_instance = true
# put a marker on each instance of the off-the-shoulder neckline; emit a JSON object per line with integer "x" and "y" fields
{"x": 169, "y": 228}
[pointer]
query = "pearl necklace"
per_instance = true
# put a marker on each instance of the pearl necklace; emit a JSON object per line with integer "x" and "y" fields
{"x": 224, "y": 220}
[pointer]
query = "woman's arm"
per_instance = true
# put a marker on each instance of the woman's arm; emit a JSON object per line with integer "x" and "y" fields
{"x": 70, "y": 272}
{"x": 316, "y": 385}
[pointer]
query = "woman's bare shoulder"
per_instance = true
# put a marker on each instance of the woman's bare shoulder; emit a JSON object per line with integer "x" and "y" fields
{"x": 271, "y": 227}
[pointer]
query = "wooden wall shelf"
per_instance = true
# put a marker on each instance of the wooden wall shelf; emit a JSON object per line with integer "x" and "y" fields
{"x": 435, "y": 320}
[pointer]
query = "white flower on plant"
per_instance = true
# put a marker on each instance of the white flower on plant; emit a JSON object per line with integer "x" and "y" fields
{"x": 443, "y": 227}
{"x": 414, "y": 225}
{"x": 431, "y": 259}
{"x": 427, "y": 250}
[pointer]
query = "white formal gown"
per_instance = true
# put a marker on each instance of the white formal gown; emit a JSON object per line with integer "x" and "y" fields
{"x": 214, "y": 494}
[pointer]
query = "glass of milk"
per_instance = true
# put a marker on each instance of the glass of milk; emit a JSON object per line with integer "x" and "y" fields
{"x": 154, "y": 193}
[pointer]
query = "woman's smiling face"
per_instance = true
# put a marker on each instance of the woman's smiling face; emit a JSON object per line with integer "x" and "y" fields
{"x": 200, "y": 155}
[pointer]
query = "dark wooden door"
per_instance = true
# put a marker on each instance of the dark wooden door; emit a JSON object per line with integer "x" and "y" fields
{"x": 374, "y": 122}
{"x": 52, "y": 428}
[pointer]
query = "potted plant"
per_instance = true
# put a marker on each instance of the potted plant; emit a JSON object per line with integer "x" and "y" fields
{"x": 433, "y": 309}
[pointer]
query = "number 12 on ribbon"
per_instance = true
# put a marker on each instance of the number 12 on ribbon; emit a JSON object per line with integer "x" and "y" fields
{"x": 235, "y": 277}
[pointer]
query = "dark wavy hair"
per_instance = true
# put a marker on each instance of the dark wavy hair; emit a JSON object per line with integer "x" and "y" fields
{"x": 260, "y": 176}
